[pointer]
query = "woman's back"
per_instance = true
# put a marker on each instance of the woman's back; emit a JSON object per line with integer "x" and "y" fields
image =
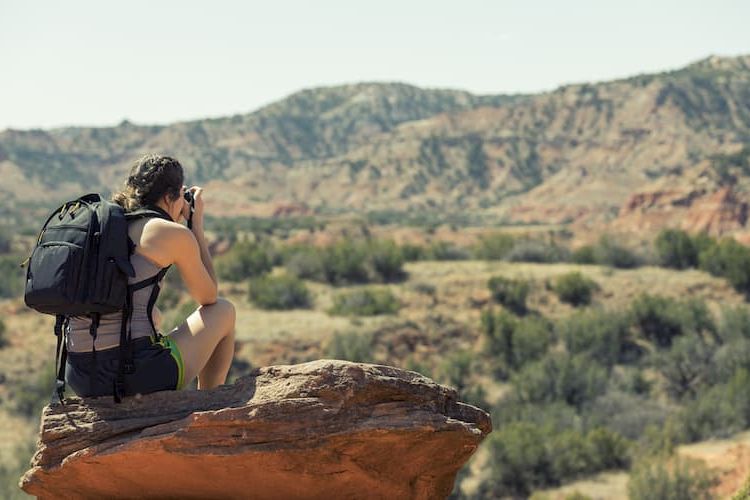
{"x": 108, "y": 332}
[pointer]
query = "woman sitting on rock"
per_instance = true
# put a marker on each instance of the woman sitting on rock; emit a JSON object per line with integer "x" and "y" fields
{"x": 203, "y": 344}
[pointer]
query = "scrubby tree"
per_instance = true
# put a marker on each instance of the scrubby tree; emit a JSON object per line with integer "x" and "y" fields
{"x": 575, "y": 289}
{"x": 279, "y": 292}
{"x": 510, "y": 293}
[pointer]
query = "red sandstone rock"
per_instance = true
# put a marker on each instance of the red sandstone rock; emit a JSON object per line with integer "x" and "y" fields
{"x": 323, "y": 429}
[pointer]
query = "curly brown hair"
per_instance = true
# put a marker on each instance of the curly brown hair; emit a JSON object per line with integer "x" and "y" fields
{"x": 151, "y": 177}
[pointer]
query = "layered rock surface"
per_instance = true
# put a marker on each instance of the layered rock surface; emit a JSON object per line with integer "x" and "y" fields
{"x": 323, "y": 429}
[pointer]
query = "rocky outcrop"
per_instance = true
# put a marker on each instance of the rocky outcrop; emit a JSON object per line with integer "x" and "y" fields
{"x": 322, "y": 429}
{"x": 716, "y": 213}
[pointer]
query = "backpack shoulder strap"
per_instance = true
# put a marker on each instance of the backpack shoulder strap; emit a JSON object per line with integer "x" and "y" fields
{"x": 148, "y": 212}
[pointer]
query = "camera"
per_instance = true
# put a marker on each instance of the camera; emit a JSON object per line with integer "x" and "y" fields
{"x": 189, "y": 197}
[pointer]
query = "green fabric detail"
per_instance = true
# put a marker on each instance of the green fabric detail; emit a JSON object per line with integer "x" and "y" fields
{"x": 167, "y": 342}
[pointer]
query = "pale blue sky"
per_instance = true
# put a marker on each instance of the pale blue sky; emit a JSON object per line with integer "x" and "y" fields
{"x": 78, "y": 62}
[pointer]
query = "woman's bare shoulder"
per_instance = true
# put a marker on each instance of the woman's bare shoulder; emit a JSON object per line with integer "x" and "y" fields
{"x": 161, "y": 240}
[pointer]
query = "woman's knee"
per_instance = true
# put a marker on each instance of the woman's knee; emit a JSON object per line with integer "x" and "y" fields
{"x": 225, "y": 311}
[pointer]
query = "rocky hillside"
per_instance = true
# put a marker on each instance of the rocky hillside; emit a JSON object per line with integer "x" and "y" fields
{"x": 583, "y": 154}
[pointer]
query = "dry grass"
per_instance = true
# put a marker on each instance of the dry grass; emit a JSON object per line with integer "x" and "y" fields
{"x": 456, "y": 290}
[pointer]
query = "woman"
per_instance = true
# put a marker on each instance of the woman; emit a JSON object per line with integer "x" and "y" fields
{"x": 203, "y": 344}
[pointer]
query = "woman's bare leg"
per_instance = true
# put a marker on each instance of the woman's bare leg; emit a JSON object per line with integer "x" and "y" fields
{"x": 206, "y": 342}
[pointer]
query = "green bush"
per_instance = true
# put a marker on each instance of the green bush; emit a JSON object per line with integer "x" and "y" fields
{"x": 494, "y": 246}
{"x": 12, "y": 469}
{"x": 684, "y": 479}
{"x": 535, "y": 250}
{"x": 244, "y": 260}
{"x": 574, "y": 380}
{"x": 524, "y": 456}
{"x": 584, "y": 255}
{"x": 3, "y": 337}
{"x": 686, "y": 366}
{"x": 279, "y": 292}
{"x": 728, "y": 259}
{"x": 598, "y": 333}
{"x": 455, "y": 371}
{"x": 351, "y": 346}
{"x": 347, "y": 262}
{"x": 344, "y": 262}
{"x": 515, "y": 341}
{"x": 676, "y": 249}
{"x": 658, "y": 319}
{"x": 34, "y": 391}
{"x": 445, "y": 250}
{"x": 174, "y": 318}
{"x": 510, "y": 293}
{"x": 518, "y": 461}
{"x": 575, "y": 289}
{"x": 719, "y": 411}
{"x": 628, "y": 415}
{"x": 365, "y": 302}
{"x": 734, "y": 323}
{"x": 12, "y": 276}
{"x": 387, "y": 261}
{"x": 609, "y": 252}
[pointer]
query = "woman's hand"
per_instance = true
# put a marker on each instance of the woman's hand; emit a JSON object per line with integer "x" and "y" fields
{"x": 198, "y": 206}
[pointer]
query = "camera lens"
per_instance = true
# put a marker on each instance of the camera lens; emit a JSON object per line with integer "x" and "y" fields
{"x": 188, "y": 196}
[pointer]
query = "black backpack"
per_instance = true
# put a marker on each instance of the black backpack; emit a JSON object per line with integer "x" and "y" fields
{"x": 80, "y": 267}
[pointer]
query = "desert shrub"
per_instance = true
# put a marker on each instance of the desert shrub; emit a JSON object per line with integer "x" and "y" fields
{"x": 513, "y": 341}
{"x": 344, "y": 262}
{"x": 12, "y": 276}
{"x": 727, "y": 359}
{"x": 684, "y": 479}
{"x": 495, "y": 246}
{"x": 244, "y": 260}
{"x": 658, "y": 319}
{"x": 347, "y": 262}
{"x": 455, "y": 370}
{"x": 33, "y": 392}
{"x": 609, "y": 252}
{"x": 719, "y": 411}
{"x": 279, "y": 292}
{"x": 445, "y": 250}
{"x": 13, "y": 468}
{"x": 686, "y": 366}
{"x": 573, "y": 379}
{"x": 730, "y": 260}
{"x": 598, "y": 333}
{"x": 510, "y": 293}
{"x": 3, "y": 335}
{"x": 524, "y": 456}
{"x": 575, "y": 454}
{"x": 734, "y": 323}
{"x": 626, "y": 414}
{"x": 584, "y": 255}
{"x": 305, "y": 263}
{"x": 386, "y": 260}
{"x": 172, "y": 319}
{"x": 412, "y": 252}
{"x": 518, "y": 461}
{"x": 535, "y": 250}
{"x": 365, "y": 302}
{"x": 676, "y": 249}
{"x": 574, "y": 288}
{"x": 351, "y": 346}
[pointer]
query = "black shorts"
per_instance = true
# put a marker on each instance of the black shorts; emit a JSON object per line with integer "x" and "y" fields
{"x": 158, "y": 367}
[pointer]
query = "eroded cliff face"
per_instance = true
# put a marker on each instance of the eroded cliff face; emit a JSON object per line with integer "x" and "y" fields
{"x": 321, "y": 429}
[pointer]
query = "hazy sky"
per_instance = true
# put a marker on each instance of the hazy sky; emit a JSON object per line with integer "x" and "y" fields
{"x": 76, "y": 62}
